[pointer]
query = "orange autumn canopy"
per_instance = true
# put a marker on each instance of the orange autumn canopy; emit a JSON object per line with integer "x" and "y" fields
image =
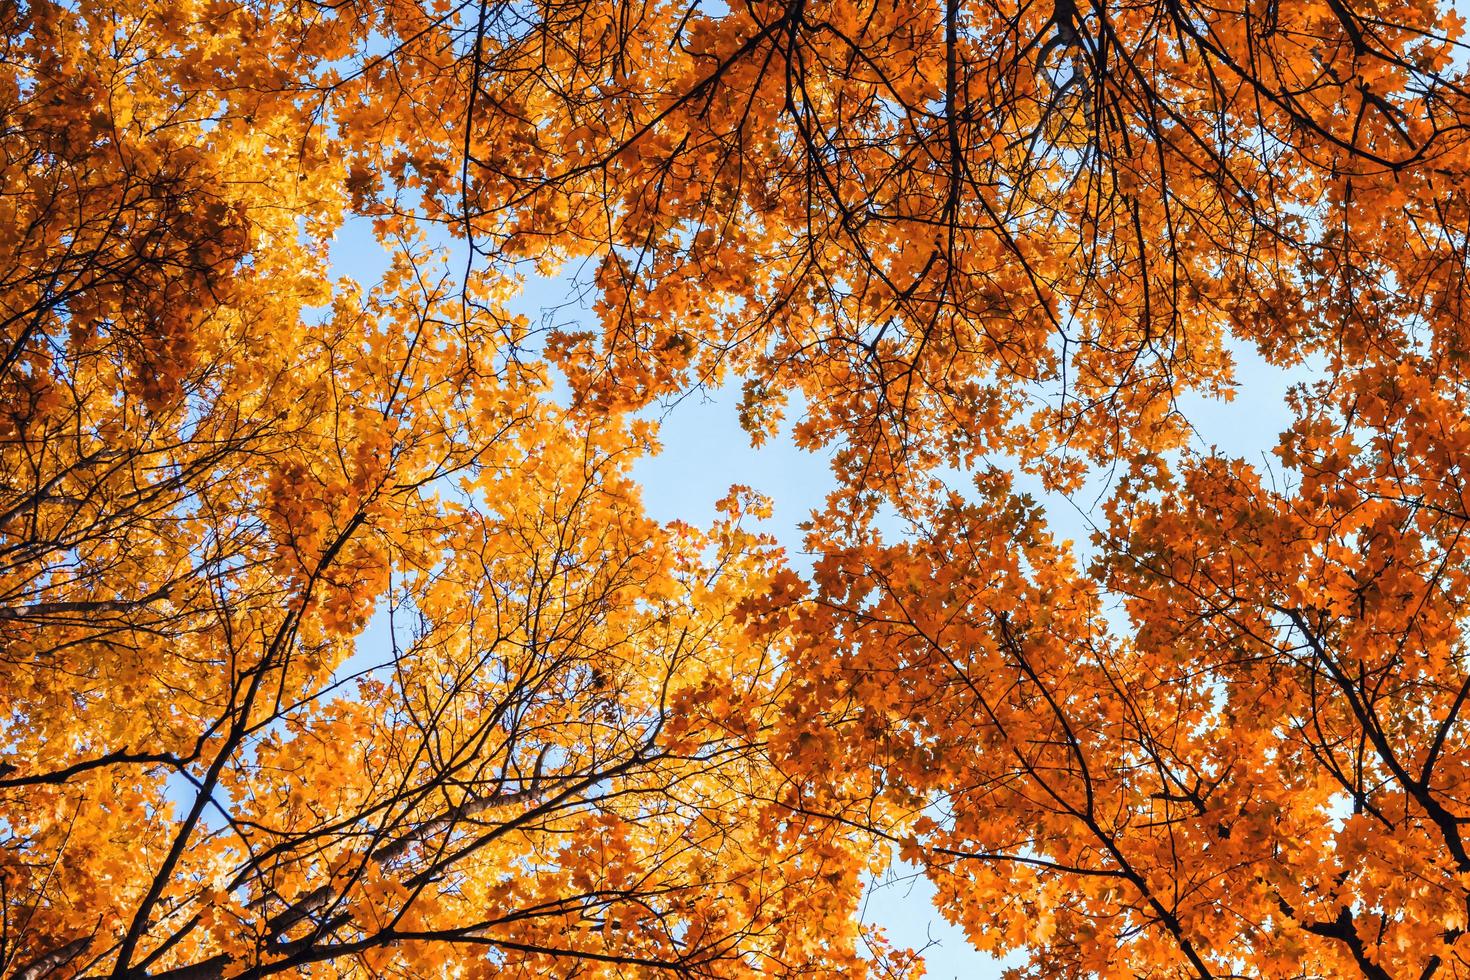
{"x": 336, "y": 641}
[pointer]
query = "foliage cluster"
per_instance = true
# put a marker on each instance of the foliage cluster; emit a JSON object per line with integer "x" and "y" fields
{"x": 976, "y": 238}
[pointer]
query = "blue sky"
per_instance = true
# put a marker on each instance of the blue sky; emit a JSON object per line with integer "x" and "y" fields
{"x": 704, "y": 451}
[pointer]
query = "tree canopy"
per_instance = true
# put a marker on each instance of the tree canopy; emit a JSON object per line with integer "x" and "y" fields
{"x": 972, "y": 246}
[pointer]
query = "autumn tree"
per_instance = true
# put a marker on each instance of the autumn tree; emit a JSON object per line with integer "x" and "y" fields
{"x": 218, "y": 464}
{"x": 981, "y": 241}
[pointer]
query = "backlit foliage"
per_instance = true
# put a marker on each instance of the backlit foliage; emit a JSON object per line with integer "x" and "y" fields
{"x": 336, "y": 642}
